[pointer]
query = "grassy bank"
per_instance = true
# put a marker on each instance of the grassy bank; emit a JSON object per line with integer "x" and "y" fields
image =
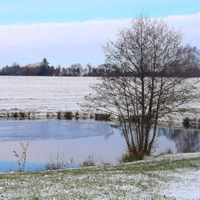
{"x": 174, "y": 176}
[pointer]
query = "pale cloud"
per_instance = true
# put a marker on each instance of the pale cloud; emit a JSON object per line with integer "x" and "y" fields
{"x": 59, "y": 33}
{"x": 189, "y": 25}
{"x": 67, "y": 43}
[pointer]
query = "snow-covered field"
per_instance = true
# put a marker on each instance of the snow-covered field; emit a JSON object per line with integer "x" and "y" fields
{"x": 173, "y": 176}
{"x": 44, "y": 95}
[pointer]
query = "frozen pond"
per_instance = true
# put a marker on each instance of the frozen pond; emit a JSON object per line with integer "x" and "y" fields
{"x": 78, "y": 139}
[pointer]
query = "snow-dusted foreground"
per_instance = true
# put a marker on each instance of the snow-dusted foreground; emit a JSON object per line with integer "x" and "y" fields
{"x": 174, "y": 176}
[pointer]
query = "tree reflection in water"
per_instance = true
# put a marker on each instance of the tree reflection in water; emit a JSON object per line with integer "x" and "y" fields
{"x": 186, "y": 140}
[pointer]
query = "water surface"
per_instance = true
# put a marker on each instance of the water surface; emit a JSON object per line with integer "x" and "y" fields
{"x": 79, "y": 139}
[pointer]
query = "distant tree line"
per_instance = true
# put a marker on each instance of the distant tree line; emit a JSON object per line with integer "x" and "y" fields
{"x": 44, "y": 69}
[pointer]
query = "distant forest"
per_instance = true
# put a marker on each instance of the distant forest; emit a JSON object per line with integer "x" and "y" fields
{"x": 44, "y": 69}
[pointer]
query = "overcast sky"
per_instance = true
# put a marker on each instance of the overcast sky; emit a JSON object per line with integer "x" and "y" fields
{"x": 67, "y": 32}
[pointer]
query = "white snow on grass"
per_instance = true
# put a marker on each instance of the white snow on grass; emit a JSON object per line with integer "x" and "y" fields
{"x": 174, "y": 176}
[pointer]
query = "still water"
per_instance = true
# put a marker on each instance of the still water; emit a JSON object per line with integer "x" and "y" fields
{"x": 78, "y": 139}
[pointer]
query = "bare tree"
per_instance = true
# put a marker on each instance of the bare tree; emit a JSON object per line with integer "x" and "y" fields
{"x": 149, "y": 52}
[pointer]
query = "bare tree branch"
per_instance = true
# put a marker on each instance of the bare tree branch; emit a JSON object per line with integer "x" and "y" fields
{"x": 157, "y": 64}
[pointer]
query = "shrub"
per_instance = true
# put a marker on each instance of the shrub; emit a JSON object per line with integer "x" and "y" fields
{"x": 102, "y": 117}
{"x": 91, "y": 116}
{"x": 186, "y": 122}
{"x": 15, "y": 114}
{"x": 21, "y": 161}
{"x": 68, "y": 115}
{"x": 59, "y": 115}
{"x": 77, "y": 115}
{"x": 59, "y": 162}
{"x": 54, "y": 165}
{"x": 22, "y": 114}
{"x": 90, "y": 161}
{"x": 130, "y": 157}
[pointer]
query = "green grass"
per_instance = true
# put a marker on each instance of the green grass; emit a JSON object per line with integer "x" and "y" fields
{"x": 123, "y": 181}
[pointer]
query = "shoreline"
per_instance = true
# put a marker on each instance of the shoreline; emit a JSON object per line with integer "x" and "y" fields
{"x": 173, "y": 120}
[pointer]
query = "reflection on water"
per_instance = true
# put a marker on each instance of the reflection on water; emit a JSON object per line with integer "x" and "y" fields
{"x": 185, "y": 140}
{"x": 78, "y": 139}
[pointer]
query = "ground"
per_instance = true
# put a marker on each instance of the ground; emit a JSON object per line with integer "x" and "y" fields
{"x": 172, "y": 176}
